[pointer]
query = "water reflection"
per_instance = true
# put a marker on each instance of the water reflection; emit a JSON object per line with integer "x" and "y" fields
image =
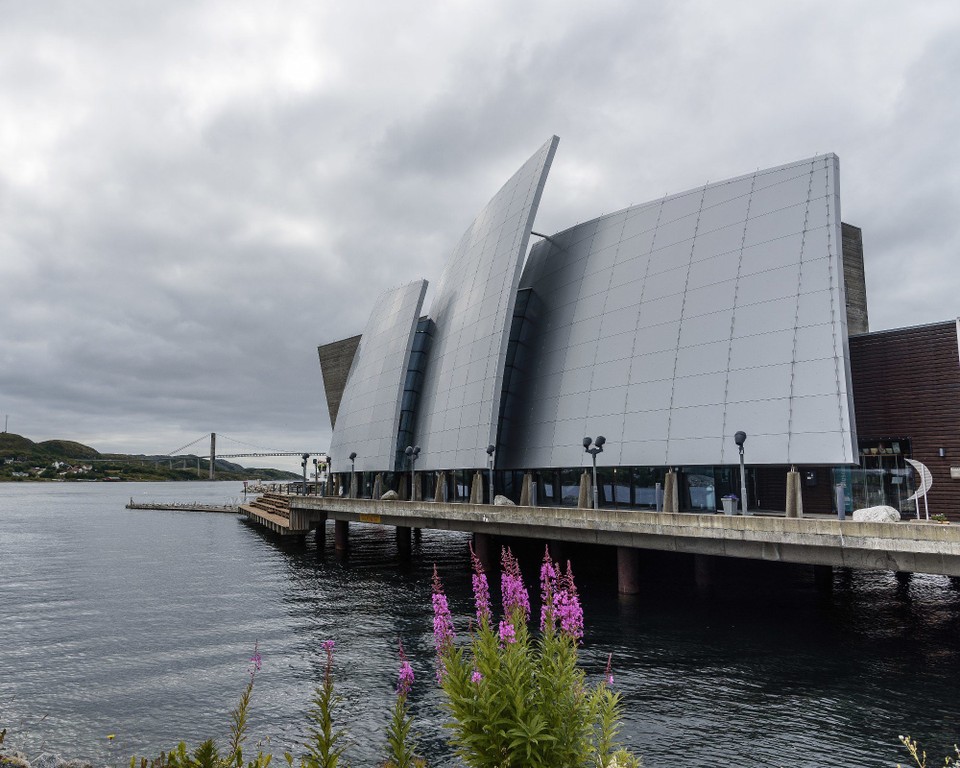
{"x": 141, "y": 624}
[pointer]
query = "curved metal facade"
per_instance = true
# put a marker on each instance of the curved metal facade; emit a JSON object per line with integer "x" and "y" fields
{"x": 473, "y": 307}
{"x": 369, "y": 416}
{"x": 667, "y": 327}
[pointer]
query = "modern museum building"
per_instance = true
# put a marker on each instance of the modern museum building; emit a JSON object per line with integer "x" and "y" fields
{"x": 667, "y": 328}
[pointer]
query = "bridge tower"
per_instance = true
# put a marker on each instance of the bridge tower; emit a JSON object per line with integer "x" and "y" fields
{"x": 213, "y": 452}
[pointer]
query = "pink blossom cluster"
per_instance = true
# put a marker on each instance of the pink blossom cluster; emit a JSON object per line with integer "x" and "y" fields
{"x": 561, "y": 603}
{"x": 548, "y": 585}
{"x": 513, "y": 592}
{"x": 481, "y": 590}
{"x": 405, "y": 677}
{"x": 567, "y": 605}
{"x": 443, "y": 634}
{"x": 508, "y": 634}
{"x": 255, "y": 660}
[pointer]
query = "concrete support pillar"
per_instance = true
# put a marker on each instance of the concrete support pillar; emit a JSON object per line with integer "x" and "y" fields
{"x": 483, "y": 547}
{"x": 794, "y": 495}
{"x": 823, "y": 578}
{"x": 320, "y": 534}
{"x": 354, "y": 485}
{"x": 378, "y": 486}
{"x": 402, "y": 486}
{"x": 416, "y": 492}
{"x": 704, "y": 574}
{"x": 476, "y": 490}
{"x": 341, "y": 535}
{"x": 671, "y": 497}
{"x": 955, "y": 582}
{"x": 628, "y": 571}
{"x": 903, "y": 579}
{"x": 585, "y": 499}
{"x": 440, "y": 494}
{"x": 526, "y": 499}
{"x": 404, "y": 538}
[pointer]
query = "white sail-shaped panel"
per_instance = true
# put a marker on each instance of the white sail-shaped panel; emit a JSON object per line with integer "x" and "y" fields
{"x": 473, "y": 307}
{"x": 369, "y": 415}
{"x": 668, "y": 327}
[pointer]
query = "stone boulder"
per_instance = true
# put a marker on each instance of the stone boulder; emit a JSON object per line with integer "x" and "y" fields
{"x": 389, "y": 496}
{"x": 502, "y": 501}
{"x": 876, "y": 515}
{"x": 14, "y": 760}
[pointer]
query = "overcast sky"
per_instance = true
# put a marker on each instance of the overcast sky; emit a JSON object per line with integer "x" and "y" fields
{"x": 193, "y": 195}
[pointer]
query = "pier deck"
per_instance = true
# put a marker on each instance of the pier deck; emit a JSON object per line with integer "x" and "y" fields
{"x": 905, "y": 546}
{"x": 184, "y": 506}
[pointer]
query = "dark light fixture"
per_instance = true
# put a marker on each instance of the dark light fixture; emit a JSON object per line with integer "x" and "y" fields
{"x": 593, "y": 447}
{"x": 740, "y": 438}
{"x": 491, "y": 449}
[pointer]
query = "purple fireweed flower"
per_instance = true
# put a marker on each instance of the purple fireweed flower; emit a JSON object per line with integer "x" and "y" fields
{"x": 481, "y": 590}
{"x": 567, "y": 605}
{"x": 405, "y": 677}
{"x": 513, "y": 592}
{"x": 443, "y": 635}
{"x": 476, "y": 677}
{"x": 327, "y": 645}
{"x": 548, "y": 586}
{"x": 255, "y": 660}
{"x": 507, "y": 634}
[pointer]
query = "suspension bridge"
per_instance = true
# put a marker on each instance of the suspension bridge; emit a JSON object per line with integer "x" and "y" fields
{"x": 247, "y": 451}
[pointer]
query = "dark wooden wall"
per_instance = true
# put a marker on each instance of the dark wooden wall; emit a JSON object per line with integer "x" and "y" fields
{"x": 906, "y": 383}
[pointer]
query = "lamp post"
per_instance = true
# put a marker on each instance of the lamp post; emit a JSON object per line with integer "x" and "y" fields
{"x": 316, "y": 477}
{"x": 490, "y": 451}
{"x": 593, "y": 450}
{"x": 353, "y": 473}
{"x": 740, "y": 438}
{"x": 412, "y": 451}
{"x": 303, "y": 464}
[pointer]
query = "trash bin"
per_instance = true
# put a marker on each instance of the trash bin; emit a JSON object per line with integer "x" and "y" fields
{"x": 729, "y": 505}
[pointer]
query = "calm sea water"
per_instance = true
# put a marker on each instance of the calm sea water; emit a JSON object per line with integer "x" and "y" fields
{"x": 141, "y": 624}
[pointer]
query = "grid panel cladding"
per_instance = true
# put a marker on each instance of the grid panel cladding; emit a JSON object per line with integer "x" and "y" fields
{"x": 369, "y": 415}
{"x": 473, "y": 307}
{"x": 669, "y": 326}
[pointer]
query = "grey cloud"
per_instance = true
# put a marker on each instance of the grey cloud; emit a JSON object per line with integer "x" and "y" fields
{"x": 194, "y": 195}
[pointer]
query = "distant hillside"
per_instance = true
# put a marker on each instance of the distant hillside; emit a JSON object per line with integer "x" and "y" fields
{"x": 68, "y": 449}
{"x": 21, "y": 459}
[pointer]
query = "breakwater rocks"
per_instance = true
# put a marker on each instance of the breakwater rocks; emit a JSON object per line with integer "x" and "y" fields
{"x": 43, "y": 760}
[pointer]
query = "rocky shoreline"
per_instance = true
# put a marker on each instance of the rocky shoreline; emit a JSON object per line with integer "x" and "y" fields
{"x": 43, "y": 760}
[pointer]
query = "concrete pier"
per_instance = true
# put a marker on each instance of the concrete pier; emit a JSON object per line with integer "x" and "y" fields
{"x": 704, "y": 574}
{"x": 404, "y": 539}
{"x": 823, "y": 578}
{"x": 483, "y": 547}
{"x": 628, "y": 571}
{"x": 904, "y": 546}
{"x": 341, "y": 535}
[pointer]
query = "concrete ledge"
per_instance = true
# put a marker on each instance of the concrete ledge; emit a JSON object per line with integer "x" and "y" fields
{"x": 885, "y": 546}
